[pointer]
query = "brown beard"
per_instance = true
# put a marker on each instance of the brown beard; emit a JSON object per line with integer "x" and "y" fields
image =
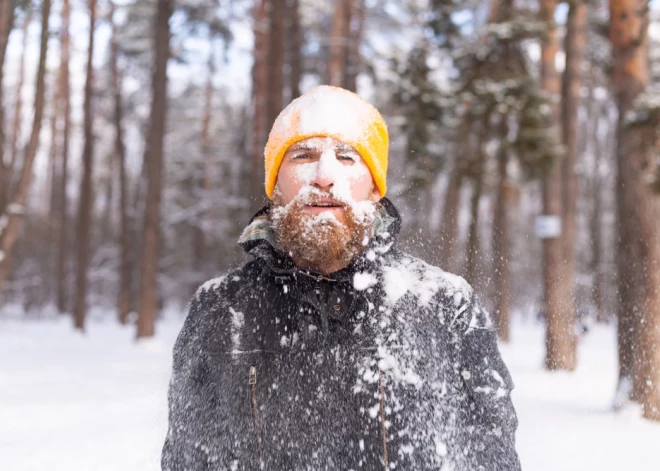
{"x": 320, "y": 241}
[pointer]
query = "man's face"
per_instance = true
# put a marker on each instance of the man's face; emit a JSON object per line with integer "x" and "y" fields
{"x": 324, "y": 203}
{"x": 330, "y": 166}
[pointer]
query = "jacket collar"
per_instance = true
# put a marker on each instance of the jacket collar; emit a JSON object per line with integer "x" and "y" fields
{"x": 258, "y": 240}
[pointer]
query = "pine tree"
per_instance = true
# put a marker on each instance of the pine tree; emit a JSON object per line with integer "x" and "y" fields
{"x": 6, "y": 24}
{"x": 124, "y": 291}
{"x": 638, "y": 206}
{"x": 153, "y": 158}
{"x": 86, "y": 191}
{"x": 560, "y": 339}
{"x": 12, "y": 217}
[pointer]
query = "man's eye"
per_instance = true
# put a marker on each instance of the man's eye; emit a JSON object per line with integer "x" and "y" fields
{"x": 301, "y": 156}
{"x": 345, "y": 157}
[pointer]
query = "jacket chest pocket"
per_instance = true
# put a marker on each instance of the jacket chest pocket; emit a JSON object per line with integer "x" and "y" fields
{"x": 300, "y": 410}
{"x": 271, "y": 398}
{"x": 242, "y": 393}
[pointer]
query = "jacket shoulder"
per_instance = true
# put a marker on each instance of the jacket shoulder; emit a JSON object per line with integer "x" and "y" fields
{"x": 450, "y": 295}
{"x": 404, "y": 274}
{"x": 210, "y": 314}
{"x": 218, "y": 288}
{"x": 212, "y": 301}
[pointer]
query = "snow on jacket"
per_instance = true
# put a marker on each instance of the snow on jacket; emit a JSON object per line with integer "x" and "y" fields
{"x": 390, "y": 363}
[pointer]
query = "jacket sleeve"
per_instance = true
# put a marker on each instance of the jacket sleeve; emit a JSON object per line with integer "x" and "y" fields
{"x": 489, "y": 414}
{"x": 183, "y": 450}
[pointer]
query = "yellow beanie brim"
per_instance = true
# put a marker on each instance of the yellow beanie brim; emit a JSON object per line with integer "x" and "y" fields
{"x": 333, "y": 112}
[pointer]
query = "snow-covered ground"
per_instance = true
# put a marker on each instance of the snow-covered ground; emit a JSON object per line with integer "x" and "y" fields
{"x": 97, "y": 402}
{"x": 566, "y": 421}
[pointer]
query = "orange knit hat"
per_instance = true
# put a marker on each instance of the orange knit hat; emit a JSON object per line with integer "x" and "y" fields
{"x": 330, "y": 112}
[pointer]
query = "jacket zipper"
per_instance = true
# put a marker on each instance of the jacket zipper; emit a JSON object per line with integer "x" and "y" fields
{"x": 383, "y": 428}
{"x": 255, "y": 415}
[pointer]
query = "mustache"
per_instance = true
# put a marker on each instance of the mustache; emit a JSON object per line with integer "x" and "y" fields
{"x": 313, "y": 196}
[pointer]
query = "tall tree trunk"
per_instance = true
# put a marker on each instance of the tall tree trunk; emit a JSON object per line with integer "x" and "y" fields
{"x": 648, "y": 362}
{"x": 86, "y": 193}
{"x": 295, "y": 52}
{"x": 449, "y": 222}
{"x": 108, "y": 182}
{"x": 62, "y": 252}
{"x": 501, "y": 249}
{"x": 6, "y": 24}
{"x": 55, "y": 156}
{"x": 53, "y": 153}
{"x": 12, "y": 217}
{"x": 355, "y": 22}
{"x": 259, "y": 101}
{"x": 6, "y": 173}
{"x": 560, "y": 339}
{"x": 204, "y": 182}
{"x": 638, "y": 210}
{"x": 595, "y": 219}
{"x": 148, "y": 304}
{"x": 337, "y": 45}
{"x": 576, "y": 26}
{"x": 473, "y": 246}
{"x": 598, "y": 148}
{"x": 275, "y": 61}
{"x": 124, "y": 291}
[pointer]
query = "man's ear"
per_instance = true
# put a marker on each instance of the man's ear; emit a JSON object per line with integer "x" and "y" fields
{"x": 277, "y": 194}
{"x": 375, "y": 195}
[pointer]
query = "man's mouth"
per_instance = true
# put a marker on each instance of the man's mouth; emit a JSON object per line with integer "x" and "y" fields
{"x": 325, "y": 204}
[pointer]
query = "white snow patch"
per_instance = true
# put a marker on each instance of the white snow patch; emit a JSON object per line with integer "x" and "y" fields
{"x": 497, "y": 377}
{"x": 374, "y": 411}
{"x": 423, "y": 281}
{"x": 551, "y": 403}
{"x": 440, "y": 448}
{"x": 237, "y": 322}
{"x": 407, "y": 449}
{"x": 96, "y": 401}
{"x": 364, "y": 280}
{"x": 388, "y": 363}
{"x": 210, "y": 285}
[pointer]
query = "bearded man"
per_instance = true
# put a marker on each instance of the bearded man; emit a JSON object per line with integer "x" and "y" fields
{"x": 331, "y": 349}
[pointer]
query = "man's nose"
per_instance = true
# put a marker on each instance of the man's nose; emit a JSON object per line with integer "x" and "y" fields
{"x": 324, "y": 179}
{"x": 323, "y": 183}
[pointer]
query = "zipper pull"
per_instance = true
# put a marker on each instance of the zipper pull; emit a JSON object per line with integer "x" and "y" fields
{"x": 253, "y": 375}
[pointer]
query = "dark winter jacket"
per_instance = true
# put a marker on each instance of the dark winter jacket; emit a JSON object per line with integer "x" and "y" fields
{"x": 389, "y": 363}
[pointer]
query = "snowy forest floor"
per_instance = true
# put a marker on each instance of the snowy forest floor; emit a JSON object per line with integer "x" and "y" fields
{"x": 97, "y": 402}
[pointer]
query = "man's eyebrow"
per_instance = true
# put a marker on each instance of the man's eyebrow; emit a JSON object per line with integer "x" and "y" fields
{"x": 300, "y": 147}
{"x": 344, "y": 148}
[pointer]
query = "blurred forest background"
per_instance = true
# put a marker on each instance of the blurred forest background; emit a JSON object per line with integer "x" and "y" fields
{"x": 524, "y": 155}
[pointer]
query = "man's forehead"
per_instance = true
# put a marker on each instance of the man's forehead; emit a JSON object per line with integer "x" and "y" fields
{"x": 318, "y": 143}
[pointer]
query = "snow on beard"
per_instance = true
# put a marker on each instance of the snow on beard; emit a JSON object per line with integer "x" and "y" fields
{"x": 321, "y": 239}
